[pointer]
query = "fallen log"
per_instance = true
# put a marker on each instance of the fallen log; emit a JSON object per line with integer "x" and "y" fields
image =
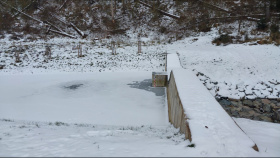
{"x": 162, "y": 12}
{"x": 81, "y": 33}
{"x": 62, "y": 33}
{"x": 62, "y": 5}
{"x": 23, "y": 9}
{"x": 39, "y": 21}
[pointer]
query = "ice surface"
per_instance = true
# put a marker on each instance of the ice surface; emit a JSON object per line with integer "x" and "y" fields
{"x": 97, "y": 98}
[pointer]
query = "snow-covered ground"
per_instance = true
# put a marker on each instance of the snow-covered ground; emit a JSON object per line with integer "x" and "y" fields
{"x": 236, "y": 70}
{"x": 48, "y": 106}
{"x": 24, "y": 138}
{"x": 97, "y": 57}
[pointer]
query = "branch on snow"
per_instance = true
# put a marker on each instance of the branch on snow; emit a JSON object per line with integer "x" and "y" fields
{"x": 23, "y": 9}
{"x": 62, "y": 5}
{"x": 61, "y": 33}
{"x": 162, "y": 12}
{"x": 39, "y": 21}
{"x": 215, "y": 7}
{"x": 81, "y": 33}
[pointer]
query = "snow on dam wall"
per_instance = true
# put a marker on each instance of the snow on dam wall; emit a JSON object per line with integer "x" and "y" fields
{"x": 176, "y": 112}
{"x": 199, "y": 116}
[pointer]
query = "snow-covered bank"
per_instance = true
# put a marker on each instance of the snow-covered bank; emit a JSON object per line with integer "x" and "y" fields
{"x": 265, "y": 134}
{"x": 21, "y": 138}
{"x": 97, "y": 98}
{"x": 236, "y": 70}
{"x": 97, "y": 57}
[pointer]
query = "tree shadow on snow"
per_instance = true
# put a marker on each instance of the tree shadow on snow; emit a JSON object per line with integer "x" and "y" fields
{"x": 147, "y": 85}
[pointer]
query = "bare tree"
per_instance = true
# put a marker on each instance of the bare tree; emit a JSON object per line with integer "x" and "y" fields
{"x": 123, "y": 6}
{"x": 267, "y": 10}
{"x": 39, "y": 21}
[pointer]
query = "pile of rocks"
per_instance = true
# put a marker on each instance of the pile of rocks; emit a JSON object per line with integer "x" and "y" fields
{"x": 262, "y": 89}
{"x": 256, "y": 109}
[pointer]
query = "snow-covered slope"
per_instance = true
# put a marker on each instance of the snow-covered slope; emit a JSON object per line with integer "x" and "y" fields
{"x": 97, "y": 57}
{"x": 236, "y": 70}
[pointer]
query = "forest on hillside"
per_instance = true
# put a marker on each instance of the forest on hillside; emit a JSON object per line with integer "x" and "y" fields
{"x": 235, "y": 19}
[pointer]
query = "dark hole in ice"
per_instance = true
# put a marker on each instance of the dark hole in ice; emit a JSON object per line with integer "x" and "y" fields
{"x": 74, "y": 86}
{"x": 147, "y": 85}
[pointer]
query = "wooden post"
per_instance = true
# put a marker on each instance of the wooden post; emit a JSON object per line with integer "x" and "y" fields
{"x": 139, "y": 44}
{"x": 80, "y": 54}
{"x": 17, "y": 50}
{"x": 17, "y": 56}
{"x": 113, "y": 46}
{"x": 48, "y": 52}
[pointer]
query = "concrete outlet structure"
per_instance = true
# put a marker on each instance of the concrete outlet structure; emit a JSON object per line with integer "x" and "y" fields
{"x": 159, "y": 79}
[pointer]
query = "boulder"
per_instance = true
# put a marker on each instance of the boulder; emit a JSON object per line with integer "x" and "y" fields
{"x": 274, "y": 101}
{"x": 2, "y": 67}
{"x": 236, "y": 103}
{"x": 232, "y": 99}
{"x": 257, "y": 103}
{"x": 267, "y": 107}
{"x": 248, "y": 102}
{"x": 265, "y": 118}
{"x": 273, "y": 106}
{"x": 266, "y": 101}
{"x": 276, "y": 115}
{"x": 244, "y": 115}
{"x": 256, "y": 117}
{"x": 246, "y": 109}
{"x": 234, "y": 113}
{"x": 225, "y": 102}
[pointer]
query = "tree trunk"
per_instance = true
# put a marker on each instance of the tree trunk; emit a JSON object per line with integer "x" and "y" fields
{"x": 112, "y": 11}
{"x": 62, "y": 5}
{"x": 239, "y": 26}
{"x": 267, "y": 11}
{"x": 123, "y": 6}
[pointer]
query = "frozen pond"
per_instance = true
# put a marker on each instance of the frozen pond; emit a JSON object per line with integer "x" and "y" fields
{"x": 96, "y": 98}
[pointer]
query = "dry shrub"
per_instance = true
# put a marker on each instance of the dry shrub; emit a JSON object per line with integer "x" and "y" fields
{"x": 223, "y": 39}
